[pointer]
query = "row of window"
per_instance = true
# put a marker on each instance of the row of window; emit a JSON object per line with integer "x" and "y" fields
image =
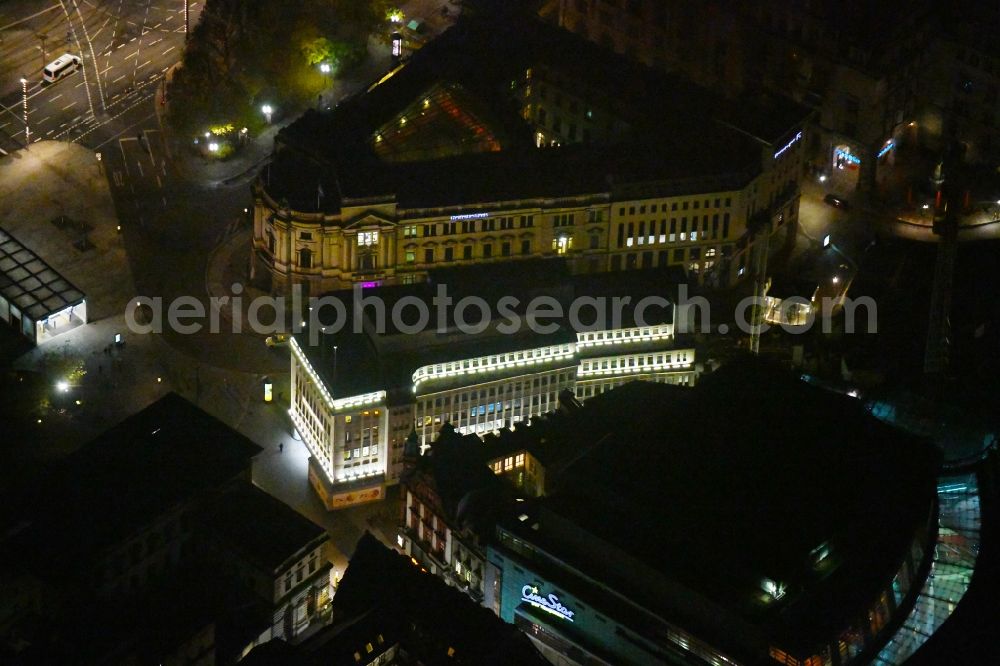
{"x": 469, "y": 226}
{"x": 637, "y": 233}
{"x": 467, "y": 252}
{"x": 634, "y": 260}
{"x": 681, "y": 205}
{"x": 633, "y": 361}
{"x": 508, "y": 463}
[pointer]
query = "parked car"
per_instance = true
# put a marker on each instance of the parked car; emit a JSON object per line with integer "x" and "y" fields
{"x": 836, "y": 202}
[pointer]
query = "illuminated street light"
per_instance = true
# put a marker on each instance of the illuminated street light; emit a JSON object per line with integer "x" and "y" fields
{"x": 836, "y": 279}
{"x": 267, "y": 112}
{"x": 213, "y": 147}
{"x": 324, "y": 67}
{"x": 63, "y": 386}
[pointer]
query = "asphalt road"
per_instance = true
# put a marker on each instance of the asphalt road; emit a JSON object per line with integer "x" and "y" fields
{"x": 126, "y": 46}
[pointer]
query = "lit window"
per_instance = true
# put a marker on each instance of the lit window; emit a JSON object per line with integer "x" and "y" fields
{"x": 368, "y": 238}
{"x": 562, "y": 244}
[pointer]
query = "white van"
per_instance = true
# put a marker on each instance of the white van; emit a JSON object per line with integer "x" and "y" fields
{"x": 60, "y": 67}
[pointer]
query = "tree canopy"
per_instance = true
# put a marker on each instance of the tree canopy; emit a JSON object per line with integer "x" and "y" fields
{"x": 243, "y": 53}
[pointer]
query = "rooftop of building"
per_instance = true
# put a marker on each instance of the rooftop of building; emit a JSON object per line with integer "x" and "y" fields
{"x": 750, "y": 475}
{"x": 453, "y": 628}
{"x": 153, "y": 624}
{"x": 454, "y": 467}
{"x": 260, "y": 527}
{"x": 367, "y": 361}
{"x": 169, "y": 453}
{"x": 466, "y": 141}
{"x": 30, "y": 284}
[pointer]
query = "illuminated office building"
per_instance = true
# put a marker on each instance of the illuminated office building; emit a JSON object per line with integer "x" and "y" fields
{"x": 355, "y": 406}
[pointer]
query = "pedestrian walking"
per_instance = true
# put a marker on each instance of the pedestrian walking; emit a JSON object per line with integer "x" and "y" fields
{"x": 281, "y": 447}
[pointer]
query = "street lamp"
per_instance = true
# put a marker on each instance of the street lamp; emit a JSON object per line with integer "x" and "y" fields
{"x": 267, "y": 112}
{"x": 24, "y": 108}
{"x": 63, "y": 386}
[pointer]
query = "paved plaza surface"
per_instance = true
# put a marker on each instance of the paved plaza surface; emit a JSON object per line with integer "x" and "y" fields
{"x": 161, "y": 222}
{"x": 56, "y": 180}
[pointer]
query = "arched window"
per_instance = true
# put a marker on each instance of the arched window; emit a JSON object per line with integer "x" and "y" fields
{"x": 305, "y": 258}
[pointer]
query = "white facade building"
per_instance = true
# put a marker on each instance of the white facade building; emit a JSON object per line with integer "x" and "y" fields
{"x": 356, "y": 442}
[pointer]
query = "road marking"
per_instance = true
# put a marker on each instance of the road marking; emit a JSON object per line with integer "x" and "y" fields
{"x": 144, "y": 64}
{"x": 119, "y": 179}
{"x": 69, "y": 106}
{"x": 43, "y": 119}
{"x": 139, "y": 164}
{"x": 164, "y": 202}
{"x": 28, "y": 18}
{"x": 168, "y": 50}
{"x": 159, "y": 183}
{"x": 117, "y": 80}
{"x": 155, "y": 42}
{"x": 52, "y": 99}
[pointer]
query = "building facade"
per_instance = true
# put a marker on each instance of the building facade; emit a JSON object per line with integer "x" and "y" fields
{"x": 357, "y": 442}
{"x": 864, "y": 70}
{"x": 704, "y": 230}
{"x": 555, "y": 161}
{"x": 657, "y": 541}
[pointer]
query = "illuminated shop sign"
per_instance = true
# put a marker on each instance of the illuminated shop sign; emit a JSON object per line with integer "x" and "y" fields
{"x": 470, "y": 216}
{"x": 795, "y": 139}
{"x": 889, "y": 145}
{"x": 848, "y": 157}
{"x": 549, "y": 604}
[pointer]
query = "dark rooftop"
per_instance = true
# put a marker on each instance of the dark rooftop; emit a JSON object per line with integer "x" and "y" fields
{"x": 455, "y": 468}
{"x": 382, "y": 581}
{"x": 717, "y": 503}
{"x": 260, "y": 527}
{"x": 31, "y": 284}
{"x": 168, "y": 454}
{"x": 340, "y": 152}
{"x": 369, "y": 362}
